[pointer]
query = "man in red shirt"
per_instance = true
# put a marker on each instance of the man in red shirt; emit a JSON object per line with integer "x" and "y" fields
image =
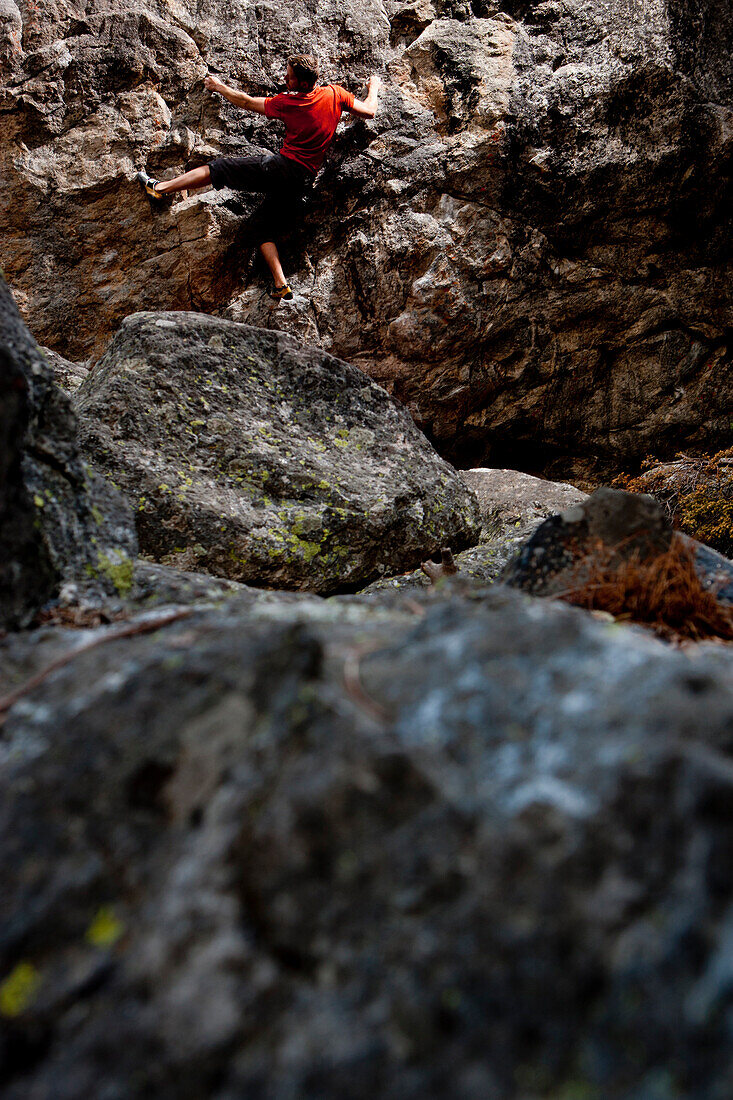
{"x": 311, "y": 115}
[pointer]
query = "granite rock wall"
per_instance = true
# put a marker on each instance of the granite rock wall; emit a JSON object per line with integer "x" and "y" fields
{"x": 528, "y": 245}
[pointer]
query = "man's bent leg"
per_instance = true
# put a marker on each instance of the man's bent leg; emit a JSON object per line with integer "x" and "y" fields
{"x": 197, "y": 177}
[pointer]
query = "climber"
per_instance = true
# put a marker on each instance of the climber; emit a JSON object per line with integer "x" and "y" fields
{"x": 311, "y": 114}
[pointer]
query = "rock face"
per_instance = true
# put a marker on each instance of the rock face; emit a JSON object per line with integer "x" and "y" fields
{"x": 251, "y": 457}
{"x": 529, "y": 244}
{"x": 58, "y": 522}
{"x": 245, "y": 857}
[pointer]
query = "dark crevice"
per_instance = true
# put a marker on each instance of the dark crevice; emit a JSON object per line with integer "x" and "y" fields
{"x": 48, "y": 459}
{"x": 145, "y": 786}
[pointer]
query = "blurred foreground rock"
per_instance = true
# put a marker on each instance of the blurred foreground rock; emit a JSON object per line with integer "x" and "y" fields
{"x": 251, "y": 457}
{"x": 460, "y": 847}
{"x": 59, "y": 524}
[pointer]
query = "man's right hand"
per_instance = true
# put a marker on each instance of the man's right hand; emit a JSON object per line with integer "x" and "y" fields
{"x": 239, "y": 99}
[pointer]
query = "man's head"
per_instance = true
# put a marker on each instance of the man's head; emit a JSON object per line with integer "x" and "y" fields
{"x": 302, "y": 72}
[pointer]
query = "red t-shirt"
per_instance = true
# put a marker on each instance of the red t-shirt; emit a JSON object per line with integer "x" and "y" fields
{"x": 310, "y": 121}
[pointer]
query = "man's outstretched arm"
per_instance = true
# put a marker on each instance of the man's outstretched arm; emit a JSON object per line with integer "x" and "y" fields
{"x": 239, "y": 99}
{"x": 367, "y": 108}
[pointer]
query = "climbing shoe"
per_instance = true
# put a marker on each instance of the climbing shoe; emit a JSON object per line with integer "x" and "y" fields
{"x": 281, "y": 293}
{"x": 150, "y": 185}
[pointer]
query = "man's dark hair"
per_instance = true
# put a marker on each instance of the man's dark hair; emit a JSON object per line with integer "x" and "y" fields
{"x": 305, "y": 67}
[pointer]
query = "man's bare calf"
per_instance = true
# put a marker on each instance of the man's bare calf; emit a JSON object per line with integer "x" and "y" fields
{"x": 197, "y": 177}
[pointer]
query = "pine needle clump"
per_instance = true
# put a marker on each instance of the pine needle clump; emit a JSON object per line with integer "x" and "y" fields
{"x": 664, "y": 593}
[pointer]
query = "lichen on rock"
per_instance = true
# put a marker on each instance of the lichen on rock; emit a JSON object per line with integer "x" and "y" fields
{"x": 448, "y": 845}
{"x": 253, "y": 458}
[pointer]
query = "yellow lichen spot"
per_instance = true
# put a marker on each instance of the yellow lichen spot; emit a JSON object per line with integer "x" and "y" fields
{"x": 118, "y": 569}
{"x": 38, "y": 500}
{"x": 105, "y": 929}
{"x": 19, "y": 989}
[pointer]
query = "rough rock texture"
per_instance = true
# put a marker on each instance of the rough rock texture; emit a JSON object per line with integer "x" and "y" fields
{"x": 483, "y": 563}
{"x": 529, "y": 243}
{"x": 251, "y": 457}
{"x": 58, "y": 522}
{"x": 513, "y": 503}
{"x": 490, "y": 858}
{"x": 624, "y": 524}
{"x": 66, "y": 374}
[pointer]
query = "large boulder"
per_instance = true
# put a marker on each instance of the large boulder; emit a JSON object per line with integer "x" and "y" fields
{"x": 251, "y": 457}
{"x": 465, "y": 848}
{"x": 529, "y": 243}
{"x": 512, "y": 505}
{"x": 59, "y": 524}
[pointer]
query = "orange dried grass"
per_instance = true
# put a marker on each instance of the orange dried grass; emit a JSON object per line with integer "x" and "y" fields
{"x": 664, "y": 593}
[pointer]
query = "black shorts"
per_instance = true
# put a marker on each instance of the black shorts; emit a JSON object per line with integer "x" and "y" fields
{"x": 285, "y": 183}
